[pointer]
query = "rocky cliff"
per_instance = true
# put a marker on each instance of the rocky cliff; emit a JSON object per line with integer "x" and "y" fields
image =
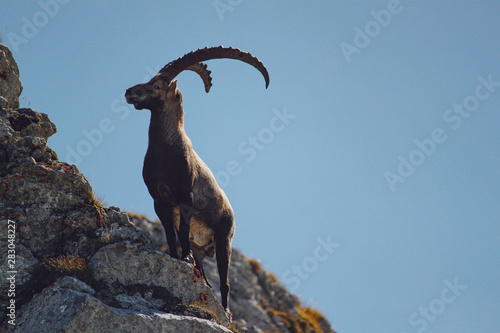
{"x": 70, "y": 264}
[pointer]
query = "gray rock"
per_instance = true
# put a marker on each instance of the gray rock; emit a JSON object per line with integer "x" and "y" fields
{"x": 258, "y": 302}
{"x": 25, "y": 264}
{"x": 127, "y": 265}
{"x": 69, "y": 306}
{"x": 153, "y": 228}
{"x": 10, "y": 85}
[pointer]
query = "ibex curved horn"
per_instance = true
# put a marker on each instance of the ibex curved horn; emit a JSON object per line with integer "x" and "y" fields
{"x": 175, "y": 175}
{"x": 203, "y": 71}
{"x": 173, "y": 68}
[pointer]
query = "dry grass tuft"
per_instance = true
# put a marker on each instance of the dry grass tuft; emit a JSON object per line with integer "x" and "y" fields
{"x": 97, "y": 200}
{"x": 66, "y": 264}
{"x": 256, "y": 266}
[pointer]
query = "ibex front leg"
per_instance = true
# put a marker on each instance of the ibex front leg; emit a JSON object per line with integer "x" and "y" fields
{"x": 186, "y": 212}
{"x": 166, "y": 214}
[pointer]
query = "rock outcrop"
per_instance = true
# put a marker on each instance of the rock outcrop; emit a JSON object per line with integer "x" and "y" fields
{"x": 10, "y": 85}
{"x": 259, "y": 303}
{"x": 69, "y": 264}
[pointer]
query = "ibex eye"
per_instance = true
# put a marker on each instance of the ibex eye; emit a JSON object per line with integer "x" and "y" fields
{"x": 156, "y": 86}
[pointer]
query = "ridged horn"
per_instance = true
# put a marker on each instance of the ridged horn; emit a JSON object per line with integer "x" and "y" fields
{"x": 203, "y": 71}
{"x": 173, "y": 68}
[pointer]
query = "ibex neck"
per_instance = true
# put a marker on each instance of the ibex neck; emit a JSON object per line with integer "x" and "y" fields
{"x": 166, "y": 128}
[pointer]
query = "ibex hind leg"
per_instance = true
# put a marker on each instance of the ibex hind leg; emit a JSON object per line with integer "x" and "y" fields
{"x": 198, "y": 259}
{"x": 224, "y": 238}
{"x": 204, "y": 276}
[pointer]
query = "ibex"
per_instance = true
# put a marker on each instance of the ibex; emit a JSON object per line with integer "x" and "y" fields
{"x": 187, "y": 198}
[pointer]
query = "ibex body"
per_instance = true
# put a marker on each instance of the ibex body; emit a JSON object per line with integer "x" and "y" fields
{"x": 187, "y": 198}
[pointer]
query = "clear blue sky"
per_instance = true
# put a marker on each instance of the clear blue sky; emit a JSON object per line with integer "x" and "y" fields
{"x": 391, "y": 148}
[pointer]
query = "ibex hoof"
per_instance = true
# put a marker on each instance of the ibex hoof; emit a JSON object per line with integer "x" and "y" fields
{"x": 229, "y": 315}
{"x": 189, "y": 259}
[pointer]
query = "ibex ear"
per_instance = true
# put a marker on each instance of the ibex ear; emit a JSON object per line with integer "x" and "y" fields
{"x": 172, "y": 90}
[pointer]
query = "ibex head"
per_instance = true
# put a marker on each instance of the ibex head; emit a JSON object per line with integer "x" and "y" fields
{"x": 162, "y": 89}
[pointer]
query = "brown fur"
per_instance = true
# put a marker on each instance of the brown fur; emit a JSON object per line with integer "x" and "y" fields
{"x": 187, "y": 198}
